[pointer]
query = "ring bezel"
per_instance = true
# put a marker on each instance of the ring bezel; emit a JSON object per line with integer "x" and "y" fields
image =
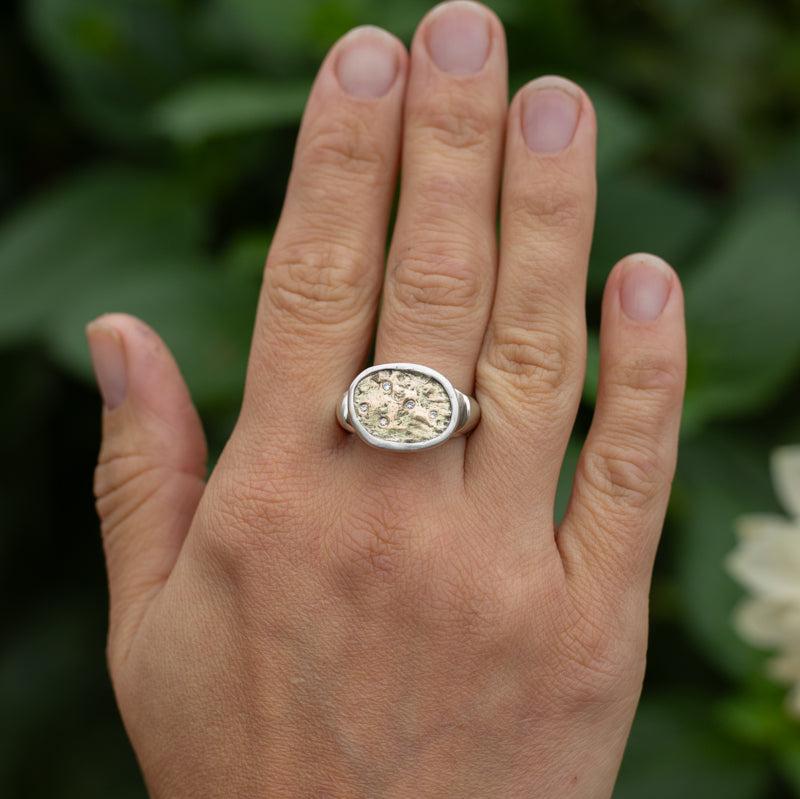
{"x": 402, "y": 446}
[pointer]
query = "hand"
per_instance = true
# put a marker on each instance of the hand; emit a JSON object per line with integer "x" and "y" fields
{"x": 325, "y": 619}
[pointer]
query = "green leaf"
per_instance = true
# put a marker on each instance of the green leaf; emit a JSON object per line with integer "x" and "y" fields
{"x": 789, "y": 761}
{"x": 640, "y": 213}
{"x": 245, "y": 255}
{"x": 114, "y": 57}
{"x": 205, "y": 318}
{"x": 742, "y": 313}
{"x": 780, "y": 175}
{"x": 403, "y": 18}
{"x": 757, "y": 716}
{"x": 622, "y": 130}
{"x": 280, "y": 37}
{"x": 83, "y": 231}
{"x": 225, "y": 106}
{"x": 719, "y": 478}
{"x": 675, "y": 750}
{"x": 123, "y": 241}
{"x": 51, "y": 672}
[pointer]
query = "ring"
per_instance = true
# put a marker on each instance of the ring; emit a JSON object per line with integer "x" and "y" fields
{"x": 404, "y": 407}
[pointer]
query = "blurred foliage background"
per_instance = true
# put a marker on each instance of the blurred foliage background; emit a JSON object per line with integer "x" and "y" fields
{"x": 145, "y": 150}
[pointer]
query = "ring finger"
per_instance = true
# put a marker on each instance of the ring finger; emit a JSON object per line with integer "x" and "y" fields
{"x": 530, "y": 372}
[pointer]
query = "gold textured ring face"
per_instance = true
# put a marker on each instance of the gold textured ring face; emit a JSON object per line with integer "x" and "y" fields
{"x": 401, "y": 405}
{"x": 405, "y": 406}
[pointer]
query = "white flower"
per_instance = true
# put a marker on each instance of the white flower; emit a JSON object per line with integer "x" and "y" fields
{"x": 766, "y": 561}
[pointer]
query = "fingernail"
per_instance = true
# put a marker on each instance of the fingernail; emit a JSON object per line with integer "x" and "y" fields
{"x": 645, "y": 290}
{"x": 367, "y": 64}
{"x": 549, "y": 117}
{"x": 458, "y": 38}
{"x": 108, "y": 360}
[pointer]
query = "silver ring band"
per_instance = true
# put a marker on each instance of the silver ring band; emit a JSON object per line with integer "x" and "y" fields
{"x": 405, "y": 407}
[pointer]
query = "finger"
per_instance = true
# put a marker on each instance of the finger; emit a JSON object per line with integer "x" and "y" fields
{"x": 440, "y": 275}
{"x": 151, "y": 468}
{"x": 325, "y": 267}
{"x": 622, "y": 483}
{"x": 530, "y": 370}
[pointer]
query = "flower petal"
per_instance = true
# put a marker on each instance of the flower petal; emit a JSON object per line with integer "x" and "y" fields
{"x": 793, "y": 702}
{"x": 767, "y": 561}
{"x": 785, "y": 667}
{"x": 768, "y": 623}
{"x": 753, "y": 525}
{"x": 786, "y": 475}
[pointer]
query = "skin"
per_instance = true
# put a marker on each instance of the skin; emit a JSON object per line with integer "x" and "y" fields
{"x": 323, "y": 619}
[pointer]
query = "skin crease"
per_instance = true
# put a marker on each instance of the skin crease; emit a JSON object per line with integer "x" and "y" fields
{"x": 322, "y": 619}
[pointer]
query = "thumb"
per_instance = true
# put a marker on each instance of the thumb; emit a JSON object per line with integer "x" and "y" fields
{"x": 151, "y": 468}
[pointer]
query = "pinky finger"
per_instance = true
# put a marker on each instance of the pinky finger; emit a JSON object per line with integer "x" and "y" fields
{"x": 613, "y": 523}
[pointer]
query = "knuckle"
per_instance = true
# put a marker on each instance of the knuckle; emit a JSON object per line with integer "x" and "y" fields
{"x": 345, "y": 145}
{"x": 368, "y": 545}
{"x": 630, "y": 474}
{"x": 522, "y": 357}
{"x": 599, "y": 666}
{"x": 438, "y": 281}
{"x": 550, "y": 206}
{"x": 316, "y": 284}
{"x": 252, "y": 510}
{"x": 445, "y": 199}
{"x": 456, "y": 122}
{"x": 133, "y": 482}
{"x": 124, "y": 481}
{"x": 485, "y": 596}
{"x": 650, "y": 374}
{"x": 116, "y": 469}
{"x": 476, "y": 607}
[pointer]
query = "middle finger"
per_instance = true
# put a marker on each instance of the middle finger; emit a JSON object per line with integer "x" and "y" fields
{"x": 441, "y": 270}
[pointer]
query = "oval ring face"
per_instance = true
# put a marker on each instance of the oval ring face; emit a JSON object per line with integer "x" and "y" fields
{"x": 402, "y": 406}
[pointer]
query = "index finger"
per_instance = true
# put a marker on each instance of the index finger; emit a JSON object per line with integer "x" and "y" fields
{"x": 324, "y": 270}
